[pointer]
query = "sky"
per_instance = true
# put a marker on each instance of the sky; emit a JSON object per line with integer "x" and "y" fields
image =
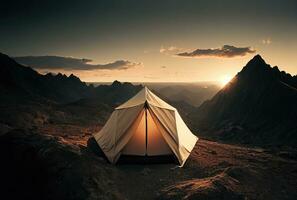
{"x": 149, "y": 41}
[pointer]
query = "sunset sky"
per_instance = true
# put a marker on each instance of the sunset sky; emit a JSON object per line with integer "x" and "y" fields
{"x": 149, "y": 41}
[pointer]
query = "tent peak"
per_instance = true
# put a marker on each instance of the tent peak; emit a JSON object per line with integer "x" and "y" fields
{"x": 145, "y": 95}
{"x": 145, "y": 92}
{"x": 146, "y": 88}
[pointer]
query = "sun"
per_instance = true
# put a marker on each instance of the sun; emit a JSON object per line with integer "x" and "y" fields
{"x": 225, "y": 79}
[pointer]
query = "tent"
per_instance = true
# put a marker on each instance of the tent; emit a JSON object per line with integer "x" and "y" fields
{"x": 145, "y": 125}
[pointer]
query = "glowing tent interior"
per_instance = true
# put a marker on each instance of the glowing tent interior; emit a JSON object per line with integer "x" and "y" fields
{"x": 145, "y": 125}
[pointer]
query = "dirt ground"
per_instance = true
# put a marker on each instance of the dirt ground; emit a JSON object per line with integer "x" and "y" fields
{"x": 213, "y": 170}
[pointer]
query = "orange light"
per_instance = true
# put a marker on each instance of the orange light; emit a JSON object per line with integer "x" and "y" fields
{"x": 225, "y": 79}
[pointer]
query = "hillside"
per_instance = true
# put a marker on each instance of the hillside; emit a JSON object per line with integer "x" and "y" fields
{"x": 257, "y": 106}
{"x": 30, "y": 99}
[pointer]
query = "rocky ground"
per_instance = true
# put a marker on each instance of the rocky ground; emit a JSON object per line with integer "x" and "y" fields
{"x": 61, "y": 162}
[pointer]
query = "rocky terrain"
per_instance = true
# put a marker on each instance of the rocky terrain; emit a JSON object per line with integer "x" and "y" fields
{"x": 36, "y": 165}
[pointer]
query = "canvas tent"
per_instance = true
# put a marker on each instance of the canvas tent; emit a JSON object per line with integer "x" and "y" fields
{"x": 145, "y": 125}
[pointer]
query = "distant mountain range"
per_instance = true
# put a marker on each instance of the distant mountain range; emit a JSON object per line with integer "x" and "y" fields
{"x": 258, "y": 106}
{"x": 193, "y": 94}
{"x": 29, "y": 98}
{"x": 16, "y": 78}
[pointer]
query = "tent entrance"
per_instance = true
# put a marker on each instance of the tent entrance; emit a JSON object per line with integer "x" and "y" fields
{"x": 146, "y": 139}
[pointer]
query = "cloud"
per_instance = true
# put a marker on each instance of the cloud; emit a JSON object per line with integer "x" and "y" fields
{"x": 70, "y": 63}
{"x": 226, "y": 51}
{"x": 266, "y": 41}
{"x": 172, "y": 50}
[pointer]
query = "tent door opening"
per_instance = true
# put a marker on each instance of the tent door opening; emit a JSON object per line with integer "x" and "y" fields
{"x": 146, "y": 140}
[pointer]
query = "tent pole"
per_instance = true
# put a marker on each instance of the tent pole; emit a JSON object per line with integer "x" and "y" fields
{"x": 145, "y": 107}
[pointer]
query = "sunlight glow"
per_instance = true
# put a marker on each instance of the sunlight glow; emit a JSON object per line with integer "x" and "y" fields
{"x": 225, "y": 79}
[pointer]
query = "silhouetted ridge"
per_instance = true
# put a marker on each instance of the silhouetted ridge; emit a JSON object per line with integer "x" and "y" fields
{"x": 116, "y": 83}
{"x": 73, "y": 77}
{"x": 29, "y": 99}
{"x": 26, "y": 83}
{"x": 258, "y": 106}
{"x": 257, "y": 60}
{"x": 255, "y": 68}
{"x": 5, "y": 60}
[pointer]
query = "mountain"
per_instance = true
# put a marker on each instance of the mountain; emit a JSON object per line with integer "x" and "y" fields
{"x": 32, "y": 99}
{"x": 18, "y": 79}
{"x": 193, "y": 94}
{"x": 258, "y": 106}
{"x": 116, "y": 93}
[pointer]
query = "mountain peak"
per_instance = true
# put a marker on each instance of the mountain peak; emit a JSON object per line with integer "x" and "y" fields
{"x": 116, "y": 83}
{"x": 72, "y": 76}
{"x": 256, "y": 66}
{"x": 257, "y": 59}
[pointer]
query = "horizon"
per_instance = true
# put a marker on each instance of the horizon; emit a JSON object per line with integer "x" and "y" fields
{"x": 221, "y": 82}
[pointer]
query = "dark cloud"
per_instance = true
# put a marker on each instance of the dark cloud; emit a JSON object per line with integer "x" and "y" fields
{"x": 226, "y": 51}
{"x": 70, "y": 63}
